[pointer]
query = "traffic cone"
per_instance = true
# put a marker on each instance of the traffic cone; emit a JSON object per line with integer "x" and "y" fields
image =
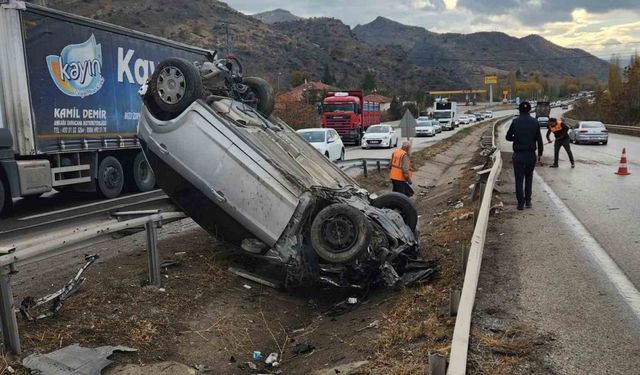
{"x": 622, "y": 170}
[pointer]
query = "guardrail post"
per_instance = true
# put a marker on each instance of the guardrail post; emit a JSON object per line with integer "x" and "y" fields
{"x": 364, "y": 167}
{"x": 378, "y": 166}
{"x": 454, "y": 301}
{"x": 437, "y": 364}
{"x": 153, "y": 254}
{"x": 10, "y": 334}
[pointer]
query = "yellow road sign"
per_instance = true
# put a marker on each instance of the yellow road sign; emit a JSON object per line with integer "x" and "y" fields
{"x": 490, "y": 80}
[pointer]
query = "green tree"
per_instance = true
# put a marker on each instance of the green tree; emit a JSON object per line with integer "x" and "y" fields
{"x": 327, "y": 77}
{"x": 395, "y": 108}
{"x": 368, "y": 82}
{"x": 298, "y": 77}
{"x": 615, "y": 80}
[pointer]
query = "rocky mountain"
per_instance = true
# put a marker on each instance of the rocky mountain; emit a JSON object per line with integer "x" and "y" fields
{"x": 403, "y": 59}
{"x": 276, "y": 16}
{"x": 482, "y": 51}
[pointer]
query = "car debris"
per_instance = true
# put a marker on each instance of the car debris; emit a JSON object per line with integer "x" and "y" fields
{"x": 202, "y": 368}
{"x": 73, "y": 360}
{"x": 248, "y": 179}
{"x": 257, "y": 355}
{"x": 272, "y": 359}
{"x": 55, "y": 300}
{"x": 302, "y": 348}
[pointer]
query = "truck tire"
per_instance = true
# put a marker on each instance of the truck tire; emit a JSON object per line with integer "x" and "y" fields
{"x": 142, "y": 173}
{"x": 5, "y": 198}
{"x": 110, "y": 177}
{"x": 340, "y": 233}
{"x": 261, "y": 93}
{"x": 174, "y": 85}
{"x": 400, "y": 203}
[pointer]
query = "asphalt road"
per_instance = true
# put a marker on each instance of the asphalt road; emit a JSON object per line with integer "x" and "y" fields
{"x": 605, "y": 203}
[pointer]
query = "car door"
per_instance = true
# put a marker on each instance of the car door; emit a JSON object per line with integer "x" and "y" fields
{"x": 333, "y": 146}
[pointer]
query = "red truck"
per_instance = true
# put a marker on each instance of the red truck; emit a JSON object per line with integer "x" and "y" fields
{"x": 349, "y": 114}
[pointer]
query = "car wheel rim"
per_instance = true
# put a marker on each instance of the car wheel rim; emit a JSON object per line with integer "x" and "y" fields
{"x": 339, "y": 233}
{"x": 171, "y": 85}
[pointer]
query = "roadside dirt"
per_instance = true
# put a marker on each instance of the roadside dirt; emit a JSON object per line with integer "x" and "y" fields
{"x": 207, "y": 315}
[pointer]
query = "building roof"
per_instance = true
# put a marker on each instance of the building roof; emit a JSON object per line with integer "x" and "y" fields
{"x": 377, "y": 98}
{"x": 296, "y": 94}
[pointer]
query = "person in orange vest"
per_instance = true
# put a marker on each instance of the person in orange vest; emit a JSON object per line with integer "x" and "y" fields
{"x": 561, "y": 134}
{"x": 400, "y": 171}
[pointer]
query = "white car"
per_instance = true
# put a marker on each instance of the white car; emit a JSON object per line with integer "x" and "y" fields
{"x": 425, "y": 128}
{"x": 487, "y": 114}
{"x": 380, "y": 136}
{"x": 326, "y": 141}
{"x": 472, "y": 118}
{"x": 464, "y": 120}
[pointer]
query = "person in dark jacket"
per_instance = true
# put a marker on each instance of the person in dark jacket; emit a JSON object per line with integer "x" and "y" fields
{"x": 524, "y": 132}
{"x": 561, "y": 134}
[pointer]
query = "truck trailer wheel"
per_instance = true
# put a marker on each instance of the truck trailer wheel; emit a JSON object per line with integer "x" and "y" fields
{"x": 260, "y": 95}
{"x": 5, "y": 198}
{"x": 340, "y": 233}
{"x": 400, "y": 203}
{"x": 110, "y": 177}
{"x": 174, "y": 85}
{"x": 143, "y": 175}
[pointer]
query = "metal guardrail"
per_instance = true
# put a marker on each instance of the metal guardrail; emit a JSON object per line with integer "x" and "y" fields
{"x": 461, "y": 331}
{"x": 364, "y": 164}
{"x": 57, "y": 243}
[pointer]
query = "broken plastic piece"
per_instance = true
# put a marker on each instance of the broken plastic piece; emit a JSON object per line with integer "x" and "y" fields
{"x": 202, "y": 368}
{"x": 55, "y": 299}
{"x": 257, "y": 356}
{"x": 271, "y": 359}
{"x": 73, "y": 360}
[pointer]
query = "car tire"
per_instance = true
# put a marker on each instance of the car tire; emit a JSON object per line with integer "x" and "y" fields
{"x": 110, "y": 178}
{"x": 142, "y": 173}
{"x": 261, "y": 92}
{"x": 326, "y": 154}
{"x": 401, "y": 203}
{"x": 342, "y": 155}
{"x": 576, "y": 142}
{"x": 340, "y": 233}
{"x": 605, "y": 143}
{"x": 174, "y": 85}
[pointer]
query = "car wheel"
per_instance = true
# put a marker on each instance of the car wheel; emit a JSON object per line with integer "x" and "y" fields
{"x": 110, "y": 177}
{"x": 143, "y": 175}
{"x": 342, "y": 155}
{"x": 326, "y": 153}
{"x": 339, "y": 233}
{"x": 605, "y": 143}
{"x": 400, "y": 203}
{"x": 173, "y": 86}
{"x": 576, "y": 141}
{"x": 260, "y": 95}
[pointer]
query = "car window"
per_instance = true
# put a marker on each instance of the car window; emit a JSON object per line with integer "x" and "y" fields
{"x": 313, "y": 136}
{"x": 592, "y": 125}
{"x": 378, "y": 129}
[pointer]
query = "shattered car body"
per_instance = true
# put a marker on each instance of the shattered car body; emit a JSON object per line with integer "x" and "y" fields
{"x": 253, "y": 182}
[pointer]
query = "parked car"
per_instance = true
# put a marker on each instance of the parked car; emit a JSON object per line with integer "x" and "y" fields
{"x": 380, "y": 136}
{"x": 425, "y": 128}
{"x": 589, "y": 132}
{"x": 326, "y": 141}
{"x": 256, "y": 184}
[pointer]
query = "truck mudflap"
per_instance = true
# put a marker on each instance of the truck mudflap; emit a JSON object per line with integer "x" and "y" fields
{"x": 391, "y": 259}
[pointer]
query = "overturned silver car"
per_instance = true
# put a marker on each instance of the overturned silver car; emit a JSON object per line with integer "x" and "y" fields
{"x": 248, "y": 179}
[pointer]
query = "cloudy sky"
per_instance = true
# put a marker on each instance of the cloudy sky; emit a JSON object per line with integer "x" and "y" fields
{"x": 602, "y": 27}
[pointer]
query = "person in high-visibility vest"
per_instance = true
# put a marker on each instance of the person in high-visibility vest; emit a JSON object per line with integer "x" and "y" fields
{"x": 561, "y": 134}
{"x": 400, "y": 171}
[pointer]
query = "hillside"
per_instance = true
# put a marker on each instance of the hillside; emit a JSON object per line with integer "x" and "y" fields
{"x": 404, "y": 59}
{"x": 482, "y": 51}
{"x": 276, "y": 16}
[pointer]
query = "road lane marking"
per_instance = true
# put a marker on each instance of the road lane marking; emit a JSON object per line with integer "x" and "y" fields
{"x": 88, "y": 205}
{"x": 616, "y": 276}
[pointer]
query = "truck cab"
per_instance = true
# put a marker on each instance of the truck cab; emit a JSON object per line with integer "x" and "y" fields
{"x": 445, "y": 112}
{"x": 349, "y": 114}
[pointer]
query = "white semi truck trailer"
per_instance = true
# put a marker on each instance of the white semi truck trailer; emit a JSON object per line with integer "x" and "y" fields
{"x": 69, "y": 105}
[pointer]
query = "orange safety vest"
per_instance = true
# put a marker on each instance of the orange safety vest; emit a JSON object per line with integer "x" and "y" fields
{"x": 395, "y": 172}
{"x": 556, "y": 128}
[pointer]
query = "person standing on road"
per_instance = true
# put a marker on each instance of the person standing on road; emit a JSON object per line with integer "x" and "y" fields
{"x": 525, "y": 134}
{"x": 561, "y": 134}
{"x": 400, "y": 171}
